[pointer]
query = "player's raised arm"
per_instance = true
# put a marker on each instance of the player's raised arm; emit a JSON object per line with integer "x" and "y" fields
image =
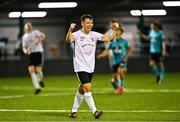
{"x": 107, "y": 38}
{"x": 143, "y": 36}
{"x": 69, "y": 36}
{"x": 40, "y": 39}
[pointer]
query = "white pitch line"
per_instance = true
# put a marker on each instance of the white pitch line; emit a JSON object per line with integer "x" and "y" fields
{"x": 11, "y": 97}
{"x": 130, "y": 90}
{"x": 101, "y": 89}
{"x": 85, "y": 111}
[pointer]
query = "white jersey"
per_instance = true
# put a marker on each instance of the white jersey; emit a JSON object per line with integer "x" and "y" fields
{"x": 84, "y": 50}
{"x": 28, "y": 41}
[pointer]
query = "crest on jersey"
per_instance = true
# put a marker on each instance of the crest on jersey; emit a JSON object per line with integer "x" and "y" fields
{"x": 92, "y": 39}
{"x": 82, "y": 38}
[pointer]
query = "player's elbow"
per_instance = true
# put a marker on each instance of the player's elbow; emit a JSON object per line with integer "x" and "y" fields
{"x": 130, "y": 51}
{"x": 43, "y": 37}
{"x": 69, "y": 39}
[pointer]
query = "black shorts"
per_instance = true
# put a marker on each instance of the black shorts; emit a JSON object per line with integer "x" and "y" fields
{"x": 157, "y": 57}
{"x": 115, "y": 68}
{"x": 36, "y": 59}
{"x": 84, "y": 77}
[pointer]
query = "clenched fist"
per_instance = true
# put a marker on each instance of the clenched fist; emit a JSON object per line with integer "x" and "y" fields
{"x": 72, "y": 26}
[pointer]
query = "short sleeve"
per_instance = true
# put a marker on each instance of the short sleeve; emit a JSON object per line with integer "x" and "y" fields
{"x": 75, "y": 35}
{"x": 98, "y": 36}
{"x": 37, "y": 33}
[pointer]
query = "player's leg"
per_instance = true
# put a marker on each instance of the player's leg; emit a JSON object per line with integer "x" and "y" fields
{"x": 161, "y": 71}
{"x": 115, "y": 80}
{"x": 39, "y": 63}
{"x": 116, "y": 84}
{"x": 39, "y": 74}
{"x": 154, "y": 67}
{"x": 85, "y": 79}
{"x": 90, "y": 101}
{"x": 153, "y": 63}
{"x": 78, "y": 99}
{"x": 121, "y": 72}
{"x": 32, "y": 73}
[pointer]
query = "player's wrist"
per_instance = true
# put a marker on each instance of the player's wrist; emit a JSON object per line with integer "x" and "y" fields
{"x": 37, "y": 41}
{"x": 71, "y": 30}
{"x": 123, "y": 60}
{"x": 122, "y": 64}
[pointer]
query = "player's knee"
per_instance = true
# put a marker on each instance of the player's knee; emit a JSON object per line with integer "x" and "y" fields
{"x": 121, "y": 71}
{"x": 151, "y": 63}
{"x": 38, "y": 69}
{"x": 87, "y": 87}
{"x": 31, "y": 69}
{"x": 81, "y": 89}
{"x": 161, "y": 64}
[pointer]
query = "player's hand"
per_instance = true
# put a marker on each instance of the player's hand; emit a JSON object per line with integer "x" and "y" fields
{"x": 72, "y": 26}
{"x": 26, "y": 51}
{"x": 36, "y": 42}
{"x": 116, "y": 25}
{"x": 122, "y": 64}
{"x": 99, "y": 56}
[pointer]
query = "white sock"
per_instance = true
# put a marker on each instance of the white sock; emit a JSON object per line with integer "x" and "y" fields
{"x": 40, "y": 76}
{"x": 90, "y": 101}
{"x": 35, "y": 81}
{"x": 77, "y": 101}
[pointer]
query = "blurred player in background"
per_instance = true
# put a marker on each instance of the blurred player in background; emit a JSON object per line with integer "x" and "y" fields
{"x": 157, "y": 50}
{"x": 118, "y": 52}
{"x": 32, "y": 46}
{"x": 84, "y": 61}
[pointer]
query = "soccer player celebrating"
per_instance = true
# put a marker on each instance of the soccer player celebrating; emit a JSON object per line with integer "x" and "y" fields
{"x": 157, "y": 50}
{"x": 118, "y": 51}
{"x": 84, "y": 61}
{"x": 32, "y": 46}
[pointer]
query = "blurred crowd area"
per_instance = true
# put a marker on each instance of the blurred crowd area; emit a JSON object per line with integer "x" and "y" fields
{"x": 12, "y": 49}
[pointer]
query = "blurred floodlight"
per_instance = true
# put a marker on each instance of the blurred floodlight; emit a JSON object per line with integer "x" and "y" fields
{"x": 57, "y": 5}
{"x": 30, "y": 14}
{"x": 157, "y": 12}
{"x": 14, "y": 14}
{"x": 171, "y": 3}
{"x": 135, "y": 12}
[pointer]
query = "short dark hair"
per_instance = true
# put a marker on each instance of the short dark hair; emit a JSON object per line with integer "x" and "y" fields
{"x": 86, "y": 16}
{"x": 157, "y": 24}
{"x": 113, "y": 20}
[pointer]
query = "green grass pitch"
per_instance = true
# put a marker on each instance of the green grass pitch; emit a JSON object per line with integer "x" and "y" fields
{"x": 144, "y": 100}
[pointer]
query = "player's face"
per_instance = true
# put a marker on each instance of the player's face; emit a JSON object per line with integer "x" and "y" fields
{"x": 153, "y": 27}
{"x": 119, "y": 32}
{"x": 87, "y": 25}
{"x": 28, "y": 28}
{"x": 112, "y": 26}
